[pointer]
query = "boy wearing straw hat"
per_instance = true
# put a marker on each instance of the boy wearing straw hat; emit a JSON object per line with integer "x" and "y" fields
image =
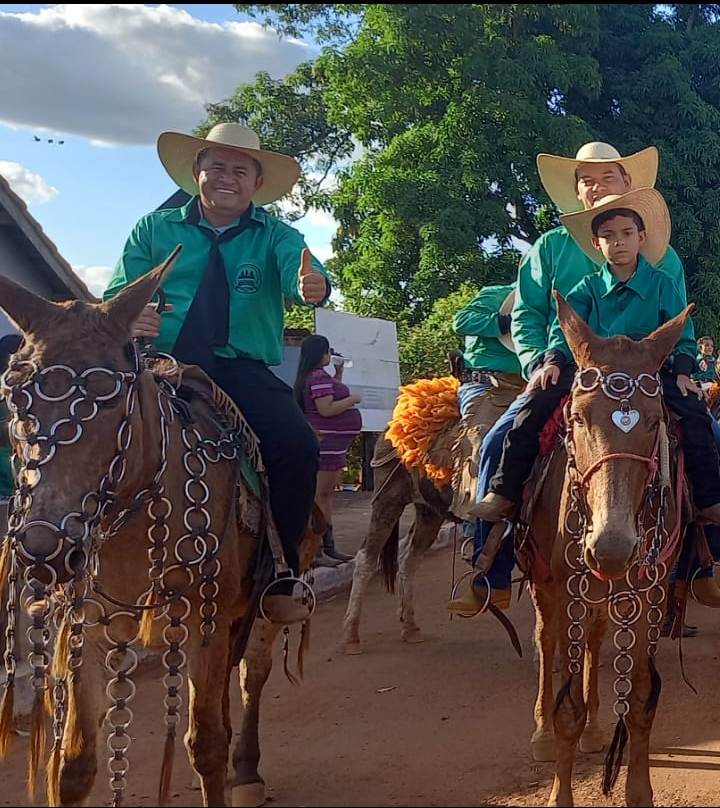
{"x": 555, "y": 261}
{"x": 226, "y": 296}
{"x": 626, "y": 235}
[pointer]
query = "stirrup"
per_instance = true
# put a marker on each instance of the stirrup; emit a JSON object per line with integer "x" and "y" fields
{"x": 284, "y": 577}
{"x": 488, "y": 598}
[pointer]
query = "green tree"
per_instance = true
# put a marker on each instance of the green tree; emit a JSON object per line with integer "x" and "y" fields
{"x": 452, "y": 103}
{"x": 424, "y": 348}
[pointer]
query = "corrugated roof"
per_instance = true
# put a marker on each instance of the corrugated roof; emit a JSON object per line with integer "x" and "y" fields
{"x": 66, "y": 278}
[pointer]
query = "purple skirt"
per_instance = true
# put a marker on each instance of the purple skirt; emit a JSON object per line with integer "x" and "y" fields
{"x": 335, "y": 435}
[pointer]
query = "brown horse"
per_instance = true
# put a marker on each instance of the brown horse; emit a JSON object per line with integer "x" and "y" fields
{"x": 128, "y": 508}
{"x": 614, "y": 537}
{"x": 396, "y": 487}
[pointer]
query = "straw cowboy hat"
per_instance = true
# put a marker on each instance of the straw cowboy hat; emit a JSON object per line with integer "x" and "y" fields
{"x": 177, "y": 153}
{"x": 557, "y": 174}
{"x": 646, "y": 202}
{"x": 506, "y": 308}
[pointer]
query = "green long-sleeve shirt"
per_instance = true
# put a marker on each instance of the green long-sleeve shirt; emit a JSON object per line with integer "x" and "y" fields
{"x": 634, "y": 309}
{"x": 262, "y": 265}
{"x": 478, "y": 323}
{"x": 556, "y": 262}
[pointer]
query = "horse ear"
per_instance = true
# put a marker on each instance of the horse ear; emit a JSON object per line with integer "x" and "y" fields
{"x": 26, "y": 309}
{"x": 128, "y": 304}
{"x": 665, "y": 338}
{"x": 579, "y": 335}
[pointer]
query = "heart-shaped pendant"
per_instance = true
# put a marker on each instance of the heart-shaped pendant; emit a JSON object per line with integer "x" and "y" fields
{"x": 626, "y": 420}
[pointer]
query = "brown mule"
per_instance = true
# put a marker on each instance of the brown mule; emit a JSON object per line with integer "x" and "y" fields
{"x": 138, "y": 516}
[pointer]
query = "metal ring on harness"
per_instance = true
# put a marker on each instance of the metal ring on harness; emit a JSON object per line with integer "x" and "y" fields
{"x": 469, "y": 540}
{"x": 308, "y": 593}
{"x": 487, "y": 597}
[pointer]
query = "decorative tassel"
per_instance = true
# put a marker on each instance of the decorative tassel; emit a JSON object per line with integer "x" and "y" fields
{"x": 37, "y": 742}
{"x": 614, "y": 757}
{"x": 286, "y": 647}
{"x": 166, "y": 769}
{"x": 303, "y": 647}
{"x": 7, "y": 718}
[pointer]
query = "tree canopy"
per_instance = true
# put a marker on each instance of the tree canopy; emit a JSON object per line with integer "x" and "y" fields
{"x": 419, "y": 126}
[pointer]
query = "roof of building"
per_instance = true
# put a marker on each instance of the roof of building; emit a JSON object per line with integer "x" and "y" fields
{"x": 18, "y": 223}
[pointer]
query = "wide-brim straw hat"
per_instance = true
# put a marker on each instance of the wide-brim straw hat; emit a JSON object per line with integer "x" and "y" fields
{"x": 177, "y": 153}
{"x": 557, "y": 174}
{"x": 646, "y": 202}
{"x": 506, "y": 308}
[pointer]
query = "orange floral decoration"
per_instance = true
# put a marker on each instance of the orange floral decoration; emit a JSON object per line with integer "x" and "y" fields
{"x": 423, "y": 409}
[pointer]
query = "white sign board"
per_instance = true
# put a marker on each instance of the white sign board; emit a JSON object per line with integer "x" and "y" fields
{"x": 372, "y": 347}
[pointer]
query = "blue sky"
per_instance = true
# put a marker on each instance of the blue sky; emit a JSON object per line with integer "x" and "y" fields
{"x": 107, "y": 79}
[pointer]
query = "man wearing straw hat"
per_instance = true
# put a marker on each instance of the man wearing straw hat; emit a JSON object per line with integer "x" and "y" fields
{"x": 225, "y": 298}
{"x": 555, "y": 261}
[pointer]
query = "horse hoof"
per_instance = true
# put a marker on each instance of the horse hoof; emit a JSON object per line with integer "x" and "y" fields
{"x": 249, "y": 795}
{"x": 543, "y": 749}
{"x": 413, "y": 637}
{"x": 351, "y": 648}
{"x": 591, "y": 741}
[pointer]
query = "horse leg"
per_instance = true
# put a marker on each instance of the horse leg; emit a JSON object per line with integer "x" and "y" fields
{"x": 248, "y": 787}
{"x": 386, "y": 512}
{"x": 569, "y": 721}
{"x": 423, "y": 533}
{"x": 643, "y": 703}
{"x": 71, "y": 775}
{"x": 542, "y": 743}
{"x": 592, "y": 737}
{"x": 206, "y": 738}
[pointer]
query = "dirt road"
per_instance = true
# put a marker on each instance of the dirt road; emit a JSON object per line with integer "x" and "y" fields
{"x": 442, "y": 723}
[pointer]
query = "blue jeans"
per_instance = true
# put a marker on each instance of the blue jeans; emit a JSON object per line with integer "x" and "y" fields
{"x": 712, "y": 533}
{"x": 500, "y": 574}
{"x": 466, "y": 394}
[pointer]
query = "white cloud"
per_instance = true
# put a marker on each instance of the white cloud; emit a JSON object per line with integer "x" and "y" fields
{"x": 122, "y": 73}
{"x": 322, "y": 252}
{"x": 96, "y": 278}
{"x": 30, "y": 187}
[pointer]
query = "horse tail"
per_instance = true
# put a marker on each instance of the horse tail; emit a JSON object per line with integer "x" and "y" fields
{"x": 389, "y": 558}
{"x": 166, "y": 768}
{"x": 38, "y": 738}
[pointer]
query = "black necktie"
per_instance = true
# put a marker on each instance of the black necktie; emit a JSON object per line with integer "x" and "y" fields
{"x": 207, "y": 323}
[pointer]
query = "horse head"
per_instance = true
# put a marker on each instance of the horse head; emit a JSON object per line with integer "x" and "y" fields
{"x": 71, "y": 391}
{"x": 616, "y": 426}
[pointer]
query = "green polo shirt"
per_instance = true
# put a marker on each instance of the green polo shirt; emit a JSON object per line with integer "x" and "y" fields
{"x": 7, "y": 480}
{"x": 634, "y": 308}
{"x": 556, "y": 262}
{"x": 262, "y": 264}
{"x": 478, "y": 323}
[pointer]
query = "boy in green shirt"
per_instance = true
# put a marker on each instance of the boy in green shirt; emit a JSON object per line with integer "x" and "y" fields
{"x": 629, "y": 297}
{"x": 706, "y": 361}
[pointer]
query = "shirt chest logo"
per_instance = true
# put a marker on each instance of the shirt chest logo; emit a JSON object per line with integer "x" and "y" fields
{"x": 247, "y": 279}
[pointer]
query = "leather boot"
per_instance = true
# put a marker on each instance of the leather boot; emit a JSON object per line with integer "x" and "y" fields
{"x": 328, "y": 545}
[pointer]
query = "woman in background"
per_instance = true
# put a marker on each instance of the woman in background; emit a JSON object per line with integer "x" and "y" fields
{"x": 331, "y": 411}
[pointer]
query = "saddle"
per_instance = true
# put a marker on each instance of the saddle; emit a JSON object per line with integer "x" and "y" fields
{"x": 428, "y": 436}
{"x": 218, "y": 417}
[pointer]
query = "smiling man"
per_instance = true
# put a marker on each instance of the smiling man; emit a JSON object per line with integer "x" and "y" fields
{"x": 225, "y": 298}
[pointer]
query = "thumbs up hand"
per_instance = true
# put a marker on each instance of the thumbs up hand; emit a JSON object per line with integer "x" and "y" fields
{"x": 311, "y": 283}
